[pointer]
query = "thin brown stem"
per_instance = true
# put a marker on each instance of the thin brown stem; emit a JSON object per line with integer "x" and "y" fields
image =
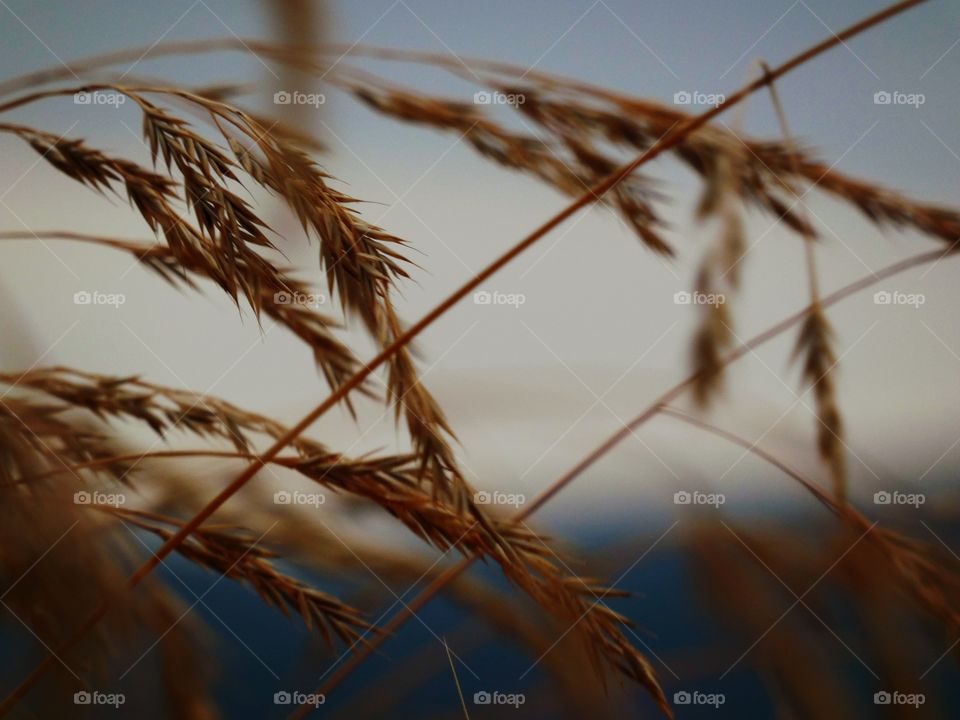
{"x": 753, "y": 449}
{"x": 456, "y": 680}
{"x": 815, "y": 340}
{"x": 119, "y": 243}
{"x": 294, "y": 55}
{"x": 158, "y": 454}
{"x": 807, "y": 231}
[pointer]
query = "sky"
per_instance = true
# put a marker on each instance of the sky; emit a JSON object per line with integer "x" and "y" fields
{"x": 532, "y": 389}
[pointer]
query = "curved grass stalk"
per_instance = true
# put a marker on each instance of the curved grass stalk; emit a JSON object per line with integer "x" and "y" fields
{"x": 754, "y": 449}
{"x": 815, "y": 341}
{"x": 921, "y": 577}
{"x": 154, "y": 455}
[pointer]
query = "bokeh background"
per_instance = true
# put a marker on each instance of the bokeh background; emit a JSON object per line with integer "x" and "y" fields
{"x": 529, "y": 390}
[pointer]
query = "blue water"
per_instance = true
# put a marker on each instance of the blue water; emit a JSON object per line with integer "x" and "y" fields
{"x": 254, "y": 643}
{"x": 667, "y": 608}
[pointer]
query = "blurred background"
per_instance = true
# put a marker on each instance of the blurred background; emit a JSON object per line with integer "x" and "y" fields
{"x": 531, "y": 389}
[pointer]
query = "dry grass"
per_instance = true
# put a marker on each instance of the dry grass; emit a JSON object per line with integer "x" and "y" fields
{"x": 391, "y": 482}
{"x": 236, "y": 554}
{"x": 59, "y": 426}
